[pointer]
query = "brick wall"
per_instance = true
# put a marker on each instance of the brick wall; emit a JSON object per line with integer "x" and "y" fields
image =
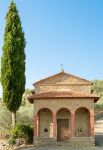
{"x": 63, "y": 82}
{"x": 48, "y": 88}
{"x": 71, "y": 103}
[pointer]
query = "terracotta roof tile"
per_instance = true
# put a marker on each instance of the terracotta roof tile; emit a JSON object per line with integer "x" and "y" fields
{"x": 62, "y": 94}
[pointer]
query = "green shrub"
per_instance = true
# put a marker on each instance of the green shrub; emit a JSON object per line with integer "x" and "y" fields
{"x": 12, "y": 141}
{"x": 22, "y": 131}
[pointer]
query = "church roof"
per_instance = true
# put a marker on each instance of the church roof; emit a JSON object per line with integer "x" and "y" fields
{"x": 64, "y": 77}
{"x": 61, "y": 94}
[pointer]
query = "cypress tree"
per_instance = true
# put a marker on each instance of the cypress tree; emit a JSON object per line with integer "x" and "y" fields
{"x": 13, "y": 61}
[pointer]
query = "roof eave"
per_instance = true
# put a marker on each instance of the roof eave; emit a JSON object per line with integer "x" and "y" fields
{"x": 96, "y": 99}
{"x": 31, "y": 99}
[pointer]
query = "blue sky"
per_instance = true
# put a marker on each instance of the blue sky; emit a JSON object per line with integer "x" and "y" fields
{"x": 68, "y": 32}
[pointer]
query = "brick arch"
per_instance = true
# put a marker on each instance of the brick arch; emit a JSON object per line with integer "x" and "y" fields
{"x": 44, "y": 108}
{"x": 81, "y": 108}
{"x": 64, "y": 109}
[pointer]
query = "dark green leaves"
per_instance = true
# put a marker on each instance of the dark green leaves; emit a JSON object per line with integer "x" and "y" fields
{"x": 13, "y": 60}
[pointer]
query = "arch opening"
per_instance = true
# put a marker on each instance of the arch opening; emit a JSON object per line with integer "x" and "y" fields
{"x": 45, "y": 124}
{"x": 63, "y": 124}
{"x": 82, "y": 122}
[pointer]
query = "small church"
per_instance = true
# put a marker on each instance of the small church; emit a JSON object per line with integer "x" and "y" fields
{"x": 63, "y": 110}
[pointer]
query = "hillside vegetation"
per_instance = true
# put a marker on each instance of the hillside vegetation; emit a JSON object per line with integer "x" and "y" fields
{"x": 24, "y": 114}
{"x": 98, "y": 90}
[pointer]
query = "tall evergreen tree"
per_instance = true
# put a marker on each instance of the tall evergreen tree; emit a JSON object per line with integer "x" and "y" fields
{"x": 13, "y": 62}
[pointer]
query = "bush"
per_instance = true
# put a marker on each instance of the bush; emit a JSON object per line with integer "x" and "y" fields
{"x": 25, "y": 114}
{"x": 98, "y": 107}
{"x": 24, "y": 132}
{"x": 12, "y": 141}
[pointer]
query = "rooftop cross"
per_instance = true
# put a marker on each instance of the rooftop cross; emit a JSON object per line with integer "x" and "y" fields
{"x": 62, "y": 70}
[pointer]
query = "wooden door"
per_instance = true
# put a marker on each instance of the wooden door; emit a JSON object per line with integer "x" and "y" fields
{"x": 62, "y": 129}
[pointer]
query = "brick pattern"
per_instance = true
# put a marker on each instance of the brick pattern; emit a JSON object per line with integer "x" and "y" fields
{"x": 70, "y": 104}
{"x": 63, "y": 82}
{"x": 77, "y": 88}
{"x": 79, "y": 121}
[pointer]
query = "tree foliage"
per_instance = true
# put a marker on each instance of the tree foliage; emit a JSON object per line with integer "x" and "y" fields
{"x": 24, "y": 98}
{"x": 98, "y": 90}
{"x": 26, "y": 110}
{"x": 98, "y": 87}
{"x": 5, "y": 118}
{"x": 24, "y": 132}
{"x": 13, "y": 60}
{"x": 24, "y": 114}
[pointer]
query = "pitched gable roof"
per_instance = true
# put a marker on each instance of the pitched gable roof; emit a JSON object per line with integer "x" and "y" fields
{"x": 63, "y": 78}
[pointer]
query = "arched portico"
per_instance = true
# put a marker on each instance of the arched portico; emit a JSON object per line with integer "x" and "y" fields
{"x": 63, "y": 123}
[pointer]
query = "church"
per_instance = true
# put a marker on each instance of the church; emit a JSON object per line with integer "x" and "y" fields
{"x": 63, "y": 110}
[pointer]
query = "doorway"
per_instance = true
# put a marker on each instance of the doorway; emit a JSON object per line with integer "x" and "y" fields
{"x": 62, "y": 129}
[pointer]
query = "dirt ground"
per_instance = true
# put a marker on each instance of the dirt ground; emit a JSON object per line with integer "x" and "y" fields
{"x": 61, "y": 148}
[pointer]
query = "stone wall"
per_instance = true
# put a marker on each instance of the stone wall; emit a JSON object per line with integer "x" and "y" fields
{"x": 71, "y": 104}
{"x": 72, "y": 142}
{"x": 80, "y": 142}
{"x": 63, "y": 114}
{"x": 63, "y": 82}
{"x": 77, "y": 88}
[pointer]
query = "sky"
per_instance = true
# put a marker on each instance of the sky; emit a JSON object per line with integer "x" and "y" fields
{"x": 68, "y": 32}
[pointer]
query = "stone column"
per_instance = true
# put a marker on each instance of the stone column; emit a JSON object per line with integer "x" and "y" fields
{"x": 36, "y": 126}
{"x": 72, "y": 123}
{"x": 91, "y": 123}
{"x": 54, "y": 125}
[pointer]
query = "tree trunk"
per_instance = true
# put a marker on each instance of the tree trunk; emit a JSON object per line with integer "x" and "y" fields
{"x": 13, "y": 119}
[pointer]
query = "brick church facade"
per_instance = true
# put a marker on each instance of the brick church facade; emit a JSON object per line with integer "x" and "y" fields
{"x": 63, "y": 110}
